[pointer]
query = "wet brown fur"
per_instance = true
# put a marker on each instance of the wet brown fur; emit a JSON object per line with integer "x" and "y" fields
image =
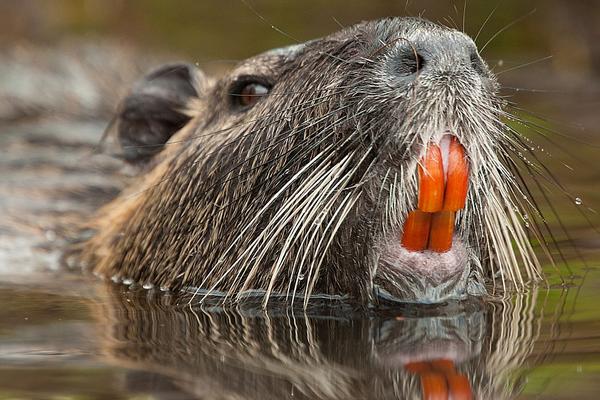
{"x": 286, "y": 196}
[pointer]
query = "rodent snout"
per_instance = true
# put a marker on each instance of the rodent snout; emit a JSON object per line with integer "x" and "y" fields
{"x": 410, "y": 58}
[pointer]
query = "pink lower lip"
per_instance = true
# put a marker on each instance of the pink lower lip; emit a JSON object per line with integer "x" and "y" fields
{"x": 443, "y": 185}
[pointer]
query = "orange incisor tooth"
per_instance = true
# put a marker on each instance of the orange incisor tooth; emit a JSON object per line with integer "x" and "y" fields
{"x": 442, "y": 229}
{"x": 433, "y": 385}
{"x": 458, "y": 177}
{"x": 431, "y": 180}
{"x": 432, "y": 225}
{"x": 416, "y": 231}
{"x": 459, "y": 387}
{"x": 418, "y": 367}
{"x": 443, "y": 365}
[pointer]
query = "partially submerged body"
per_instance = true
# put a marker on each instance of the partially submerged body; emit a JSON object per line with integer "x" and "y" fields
{"x": 296, "y": 173}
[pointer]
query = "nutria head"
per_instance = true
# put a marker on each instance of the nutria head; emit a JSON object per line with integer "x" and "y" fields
{"x": 297, "y": 173}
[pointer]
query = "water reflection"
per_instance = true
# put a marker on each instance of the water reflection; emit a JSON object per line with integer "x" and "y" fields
{"x": 460, "y": 351}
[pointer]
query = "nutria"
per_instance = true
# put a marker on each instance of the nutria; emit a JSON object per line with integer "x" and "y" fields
{"x": 323, "y": 167}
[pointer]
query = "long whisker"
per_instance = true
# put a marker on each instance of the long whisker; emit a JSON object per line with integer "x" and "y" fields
{"x": 527, "y": 64}
{"x": 234, "y": 141}
{"x": 485, "y": 22}
{"x": 508, "y": 26}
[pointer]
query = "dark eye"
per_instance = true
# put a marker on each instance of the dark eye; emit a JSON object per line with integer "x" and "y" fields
{"x": 250, "y": 93}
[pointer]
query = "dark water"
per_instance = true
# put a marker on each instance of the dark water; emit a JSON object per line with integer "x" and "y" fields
{"x": 69, "y": 338}
{"x": 66, "y": 336}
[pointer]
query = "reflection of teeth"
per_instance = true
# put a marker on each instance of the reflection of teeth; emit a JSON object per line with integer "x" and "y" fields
{"x": 431, "y": 180}
{"x": 416, "y": 231}
{"x": 442, "y": 229}
{"x": 460, "y": 388}
{"x": 434, "y": 386}
{"x": 440, "y": 380}
{"x": 443, "y": 185}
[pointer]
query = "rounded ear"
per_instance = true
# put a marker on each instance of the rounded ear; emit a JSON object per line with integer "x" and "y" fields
{"x": 157, "y": 107}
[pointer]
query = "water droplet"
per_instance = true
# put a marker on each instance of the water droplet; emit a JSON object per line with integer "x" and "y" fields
{"x": 164, "y": 289}
{"x": 127, "y": 281}
{"x": 526, "y": 224}
{"x": 50, "y": 235}
{"x": 148, "y": 286}
{"x": 115, "y": 278}
{"x": 578, "y": 201}
{"x": 525, "y": 216}
{"x": 300, "y": 277}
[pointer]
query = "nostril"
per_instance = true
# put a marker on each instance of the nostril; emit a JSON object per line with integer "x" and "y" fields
{"x": 409, "y": 61}
{"x": 477, "y": 63}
